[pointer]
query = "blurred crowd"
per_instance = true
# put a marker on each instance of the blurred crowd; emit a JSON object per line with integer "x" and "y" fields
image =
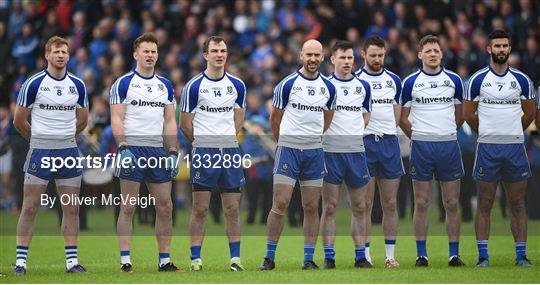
{"x": 264, "y": 38}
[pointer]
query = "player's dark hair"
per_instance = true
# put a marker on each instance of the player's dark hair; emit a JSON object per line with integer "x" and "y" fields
{"x": 499, "y": 34}
{"x": 428, "y": 39}
{"x": 374, "y": 40}
{"x": 215, "y": 39}
{"x": 341, "y": 45}
{"x": 144, "y": 38}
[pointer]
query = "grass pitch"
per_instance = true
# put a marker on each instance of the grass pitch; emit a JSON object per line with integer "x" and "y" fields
{"x": 98, "y": 252}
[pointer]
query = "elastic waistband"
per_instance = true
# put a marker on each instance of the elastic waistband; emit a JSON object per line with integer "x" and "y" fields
{"x": 433, "y": 138}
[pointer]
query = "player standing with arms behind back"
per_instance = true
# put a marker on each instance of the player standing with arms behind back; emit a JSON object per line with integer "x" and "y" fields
{"x": 381, "y": 142}
{"x": 58, "y": 105}
{"x": 144, "y": 126}
{"x": 496, "y": 96}
{"x": 433, "y": 96}
{"x": 213, "y": 105}
{"x": 344, "y": 155}
{"x": 304, "y": 105}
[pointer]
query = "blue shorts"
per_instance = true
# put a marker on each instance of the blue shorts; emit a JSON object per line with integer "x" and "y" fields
{"x": 217, "y": 167}
{"x": 39, "y": 162}
{"x": 442, "y": 159}
{"x": 348, "y": 167}
{"x": 299, "y": 164}
{"x": 383, "y": 156}
{"x": 506, "y": 162}
{"x": 148, "y": 168}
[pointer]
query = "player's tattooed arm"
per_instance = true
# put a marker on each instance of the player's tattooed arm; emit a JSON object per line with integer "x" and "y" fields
{"x": 470, "y": 115}
{"x": 117, "y": 122}
{"x": 81, "y": 115}
{"x": 170, "y": 130}
{"x": 238, "y": 119}
{"x": 275, "y": 121}
{"x": 328, "y": 116}
{"x": 20, "y": 121}
{"x": 459, "y": 115}
{"x": 528, "y": 107}
{"x": 404, "y": 122}
{"x": 186, "y": 125}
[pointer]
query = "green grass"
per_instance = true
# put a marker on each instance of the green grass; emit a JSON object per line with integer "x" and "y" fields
{"x": 98, "y": 252}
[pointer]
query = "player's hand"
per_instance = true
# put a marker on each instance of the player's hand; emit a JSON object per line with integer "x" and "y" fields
{"x": 172, "y": 165}
{"x": 129, "y": 158}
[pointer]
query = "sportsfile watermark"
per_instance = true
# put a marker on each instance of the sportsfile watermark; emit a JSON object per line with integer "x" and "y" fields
{"x": 113, "y": 160}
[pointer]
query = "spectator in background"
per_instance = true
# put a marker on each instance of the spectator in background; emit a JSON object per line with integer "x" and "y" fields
{"x": 63, "y": 12}
{"x": 24, "y": 48}
{"x": 50, "y": 28}
{"x": 5, "y": 50}
{"x": 17, "y": 18}
{"x": 379, "y": 27}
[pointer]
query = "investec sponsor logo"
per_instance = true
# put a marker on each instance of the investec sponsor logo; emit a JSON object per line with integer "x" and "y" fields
{"x": 382, "y": 101}
{"x": 303, "y": 107}
{"x": 501, "y": 102}
{"x": 216, "y": 109}
{"x": 433, "y": 100}
{"x": 348, "y": 108}
{"x": 57, "y": 107}
{"x": 142, "y": 103}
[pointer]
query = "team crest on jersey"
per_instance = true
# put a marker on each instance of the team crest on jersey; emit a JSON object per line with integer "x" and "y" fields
{"x": 513, "y": 85}
{"x": 229, "y": 90}
{"x": 72, "y": 89}
{"x": 413, "y": 170}
{"x": 285, "y": 166}
{"x": 447, "y": 83}
{"x": 358, "y": 90}
{"x": 161, "y": 87}
{"x": 323, "y": 90}
{"x": 34, "y": 166}
{"x": 197, "y": 175}
{"x": 480, "y": 171}
{"x": 389, "y": 83}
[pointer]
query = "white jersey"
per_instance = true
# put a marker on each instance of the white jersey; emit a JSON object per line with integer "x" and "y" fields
{"x": 385, "y": 93}
{"x": 353, "y": 98}
{"x": 431, "y": 98}
{"x": 213, "y": 102}
{"x": 145, "y": 99}
{"x": 54, "y": 103}
{"x": 304, "y": 100}
{"x": 499, "y": 104}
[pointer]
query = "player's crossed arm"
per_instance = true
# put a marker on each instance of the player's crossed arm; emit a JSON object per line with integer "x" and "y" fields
{"x": 538, "y": 109}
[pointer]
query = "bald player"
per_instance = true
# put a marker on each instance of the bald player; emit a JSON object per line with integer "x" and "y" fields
{"x": 303, "y": 107}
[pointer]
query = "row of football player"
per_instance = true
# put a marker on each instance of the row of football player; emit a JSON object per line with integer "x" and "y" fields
{"x": 368, "y": 105}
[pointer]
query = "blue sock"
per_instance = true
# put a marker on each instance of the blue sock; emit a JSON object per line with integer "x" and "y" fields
{"x": 22, "y": 253}
{"x": 329, "y": 252}
{"x": 234, "y": 249}
{"x": 521, "y": 247}
{"x": 125, "y": 256}
{"x": 309, "y": 250}
{"x": 195, "y": 252}
{"x": 482, "y": 249}
{"x": 164, "y": 258}
{"x": 271, "y": 246}
{"x": 360, "y": 252}
{"x": 453, "y": 248}
{"x": 421, "y": 248}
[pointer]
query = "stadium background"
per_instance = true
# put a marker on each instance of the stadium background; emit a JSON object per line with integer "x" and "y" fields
{"x": 264, "y": 38}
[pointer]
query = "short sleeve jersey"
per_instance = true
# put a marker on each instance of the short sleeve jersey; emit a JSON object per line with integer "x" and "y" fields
{"x": 213, "y": 102}
{"x": 54, "y": 103}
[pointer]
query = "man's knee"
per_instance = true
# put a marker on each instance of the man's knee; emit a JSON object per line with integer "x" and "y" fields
{"x": 358, "y": 208}
{"x": 29, "y": 209}
{"x": 199, "y": 212}
{"x": 127, "y": 210}
{"x": 164, "y": 208}
{"x": 329, "y": 208}
{"x": 451, "y": 204}
{"x": 389, "y": 205}
{"x": 231, "y": 211}
{"x": 421, "y": 204}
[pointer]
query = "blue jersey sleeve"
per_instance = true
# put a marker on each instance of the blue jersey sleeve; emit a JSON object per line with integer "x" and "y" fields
{"x": 29, "y": 90}
{"x": 397, "y": 82}
{"x": 282, "y": 92}
{"x": 118, "y": 92}
{"x": 458, "y": 83}
{"x": 190, "y": 94}
{"x": 367, "y": 101}
{"x": 475, "y": 83}
{"x": 240, "y": 90}
{"x": 82, "y": 102}
{"x": 170, "y": 88}
{"x": 527, "y": 89}
{"x": 331, "y": 103}
{"x": 406, "y": 91}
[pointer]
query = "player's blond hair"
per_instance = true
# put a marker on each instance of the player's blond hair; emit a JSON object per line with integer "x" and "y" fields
{"x": 55, "y": 41}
